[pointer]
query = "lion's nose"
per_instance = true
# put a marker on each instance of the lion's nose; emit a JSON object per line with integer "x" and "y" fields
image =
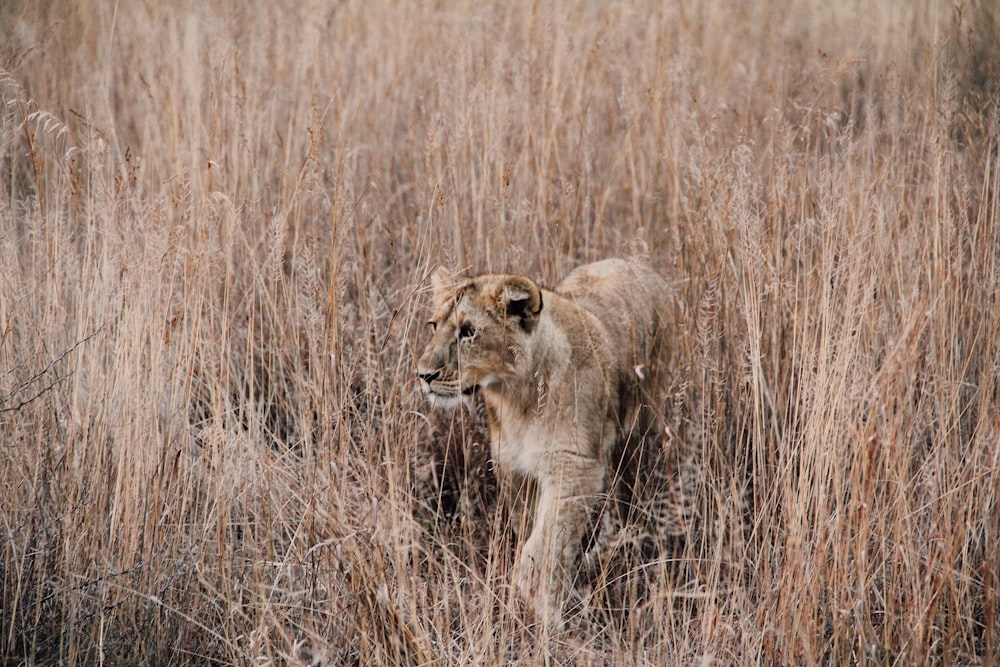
{"x": 430, "y": 377}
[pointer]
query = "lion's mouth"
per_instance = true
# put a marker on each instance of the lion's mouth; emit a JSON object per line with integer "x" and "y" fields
{"x": 444, "y": 392}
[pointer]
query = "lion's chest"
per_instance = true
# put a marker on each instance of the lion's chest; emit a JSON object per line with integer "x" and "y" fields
{"x": 541, "y": 448}
{"x": 527, "y": 451}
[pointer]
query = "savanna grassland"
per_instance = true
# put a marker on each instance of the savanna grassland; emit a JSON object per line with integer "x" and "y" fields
{"x": 217, "y": 221}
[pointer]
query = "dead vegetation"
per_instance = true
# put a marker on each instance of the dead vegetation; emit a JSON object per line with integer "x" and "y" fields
{"x": 216, "y": 225}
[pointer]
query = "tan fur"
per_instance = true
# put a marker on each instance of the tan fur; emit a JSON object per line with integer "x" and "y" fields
{"x": 563, "y": 374}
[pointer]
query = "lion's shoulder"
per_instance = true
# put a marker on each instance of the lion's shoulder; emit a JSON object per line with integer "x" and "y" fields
{"x": 628, "y": 297}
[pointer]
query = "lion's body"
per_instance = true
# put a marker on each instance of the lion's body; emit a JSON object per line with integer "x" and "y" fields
{"x": 563, "y": 375}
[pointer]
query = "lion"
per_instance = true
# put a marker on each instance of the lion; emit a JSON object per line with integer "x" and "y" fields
{"x": 566, "y": 377}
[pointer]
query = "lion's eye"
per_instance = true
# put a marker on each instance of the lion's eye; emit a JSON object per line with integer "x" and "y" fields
{"x": 432, "y": 325}
{"x": 466, "y": 330}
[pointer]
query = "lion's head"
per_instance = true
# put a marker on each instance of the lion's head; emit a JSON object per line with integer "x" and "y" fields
{"x": 480, "y": 328}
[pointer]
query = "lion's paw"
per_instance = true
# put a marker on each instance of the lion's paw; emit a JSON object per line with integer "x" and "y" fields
{"x": 539, "y": 588}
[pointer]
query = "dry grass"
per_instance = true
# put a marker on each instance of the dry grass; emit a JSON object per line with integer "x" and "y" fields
{"x": 215, "y": 227}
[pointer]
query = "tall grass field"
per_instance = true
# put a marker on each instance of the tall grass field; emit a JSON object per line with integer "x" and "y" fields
{"x": 217, "y": 224}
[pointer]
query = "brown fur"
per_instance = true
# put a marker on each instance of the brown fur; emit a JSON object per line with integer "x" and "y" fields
{"x": 563, "y": 375}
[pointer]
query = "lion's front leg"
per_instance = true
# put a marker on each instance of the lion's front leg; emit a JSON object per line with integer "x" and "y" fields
{"x": 564, "y": 507}
{"x": 517, "y": 493}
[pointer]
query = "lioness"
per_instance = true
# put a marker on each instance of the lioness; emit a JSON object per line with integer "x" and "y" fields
{"x": 563, "y": 375}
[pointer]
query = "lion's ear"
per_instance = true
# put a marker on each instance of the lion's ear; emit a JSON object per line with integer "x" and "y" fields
{"x": 520, "y": 298}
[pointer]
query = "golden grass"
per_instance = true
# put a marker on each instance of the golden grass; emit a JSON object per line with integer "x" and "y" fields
{"x": 215, "y": 228}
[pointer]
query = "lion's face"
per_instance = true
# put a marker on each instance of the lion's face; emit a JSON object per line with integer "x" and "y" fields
{"x": 480, "y": 328}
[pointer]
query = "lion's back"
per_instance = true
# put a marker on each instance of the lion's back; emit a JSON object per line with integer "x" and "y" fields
{"x": 629, "y": 298}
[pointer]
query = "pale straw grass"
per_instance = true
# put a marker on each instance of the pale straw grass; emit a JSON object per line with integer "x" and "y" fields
{"x": 216, "y": 226}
